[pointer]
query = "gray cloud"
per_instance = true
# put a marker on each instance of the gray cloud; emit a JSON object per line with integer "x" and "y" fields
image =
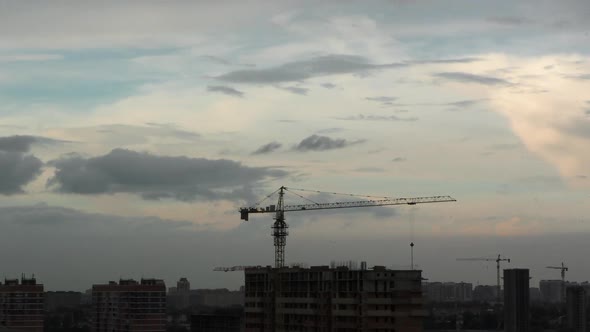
{"x": 443, "y": 61}
{"x": 17, "y": 143}
{"x": 472, "y": 78}
{"x": 23, "y": 143}
{"x": 165, "y": 129}
{"x": 369, "y": 170}
{"x": 381, "y": 99}
{"x": 268, "y": 148}
{"x": 583, "y": 77}
{"x": 363, "y": 117}
{"x": 157, "y": 177}
{"x": 17, "y": 169}
{"x": 398, "y": 159}
{"x": 296, "y": 90}
{"x": 222, "y": 61}
{"x": 322, "y": 143}
{"x": 509, "y": 20}
{"x": 464, "y": 103}
{"x": 330, "y": 130}
{"x": 225, "y": 90}
{"x": 305, "y": 69}
{"x": 328, "y": 85}
{"x": 216, "y": 59}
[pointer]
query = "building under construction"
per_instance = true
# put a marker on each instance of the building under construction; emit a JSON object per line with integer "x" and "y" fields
{"x": 324, "y": 298}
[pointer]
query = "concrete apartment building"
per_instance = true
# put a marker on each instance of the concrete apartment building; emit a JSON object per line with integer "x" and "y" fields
{"x": 321, "y": 298}
{"x": 551, "y": 290}
{"x": 129, "y": 306}
{"x": 516, "y": 300}
{"x": 447, "y": 292}
{"x": 576, "y": 308}
{"x": 21, "y": 305}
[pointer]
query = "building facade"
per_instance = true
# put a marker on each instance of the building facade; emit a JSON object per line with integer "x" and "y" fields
{"x": 129, "y": 306}
{"x": 447, "y": 292}
{"x": 21, "y": 305}
{"x": 216, "y": 323}
{"x": 333, "y": 299}
{"x": 576, "y": 308}
{"x": 516, "y": 300}
{"x": 551, "y": 290}
{"x": 179, "y": 296}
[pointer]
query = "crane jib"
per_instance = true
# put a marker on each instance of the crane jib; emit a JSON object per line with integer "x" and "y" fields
{"x": 244, "y": 212}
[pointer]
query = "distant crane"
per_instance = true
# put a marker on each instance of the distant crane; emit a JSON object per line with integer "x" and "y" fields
{"x": 563, "y": 269}
{"x": 497, "y": 260}
{"x": 279, "y": 227}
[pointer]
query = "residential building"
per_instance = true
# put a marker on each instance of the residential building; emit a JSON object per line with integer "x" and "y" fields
{"x": 62, "y": 300}
{"x": 221, "y": 297}
{"x": 215, "y": 322}
{"x": 129, "y": 306}
{"x": 322, "y": 298}
{"x": 535, "y": 294}
{"x": 516, "y": 300}
{"x": 485, "y": 293}
{"x": 21, "y": 305}
{"x": 551, "y": 290}
{"x": 447, "y": 292}
{"x": 179, "y": 296}
{"x": 576, "y": 308}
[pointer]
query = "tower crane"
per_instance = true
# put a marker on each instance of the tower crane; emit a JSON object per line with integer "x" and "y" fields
{"x": 279, "y": 227}
{"x": 563, "y": 269}
{"x": 497, "y": 260}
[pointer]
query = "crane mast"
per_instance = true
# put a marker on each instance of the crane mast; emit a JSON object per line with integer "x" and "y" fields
{"x": 279, "y": 230}
{"x": 280, "y": 227}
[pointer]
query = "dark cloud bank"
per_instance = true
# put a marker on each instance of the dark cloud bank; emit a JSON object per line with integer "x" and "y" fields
{"x": 17, "y": 168}
{"x": 158, "y": 177}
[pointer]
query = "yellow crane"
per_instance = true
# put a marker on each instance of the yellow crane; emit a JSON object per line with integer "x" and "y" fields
{"x": 279, "y": 227}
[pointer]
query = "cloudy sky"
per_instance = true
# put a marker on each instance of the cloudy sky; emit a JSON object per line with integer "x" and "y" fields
{"x": 131, "y": 132}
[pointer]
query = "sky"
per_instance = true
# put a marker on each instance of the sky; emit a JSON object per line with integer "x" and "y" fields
{"x": 132, "y": 132}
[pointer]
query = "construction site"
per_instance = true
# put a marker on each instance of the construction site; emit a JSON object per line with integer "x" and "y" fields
{"x": 340, "y": 297}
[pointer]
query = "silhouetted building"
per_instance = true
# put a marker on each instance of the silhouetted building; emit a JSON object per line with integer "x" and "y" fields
{"x": 179, "y": 296}
{"x": 62, "y": 300}
{"x": 484, "y": 293}
{"x": 221, "y": 297}
{"x": 21, "y": 305}
{"x": 535, "y": 294}
{"x": 551, "y": 290}
{"x": 576, "y": 308}
{"x": 516, "y": 300}
{"x": 216, "y": 322}
{"x": 447, "y": 292}
{"x": 321, "y": 298}
{"x": 129, "y": 306}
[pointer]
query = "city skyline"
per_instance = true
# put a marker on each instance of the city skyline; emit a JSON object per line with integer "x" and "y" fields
{"x": 131, "y": 134}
